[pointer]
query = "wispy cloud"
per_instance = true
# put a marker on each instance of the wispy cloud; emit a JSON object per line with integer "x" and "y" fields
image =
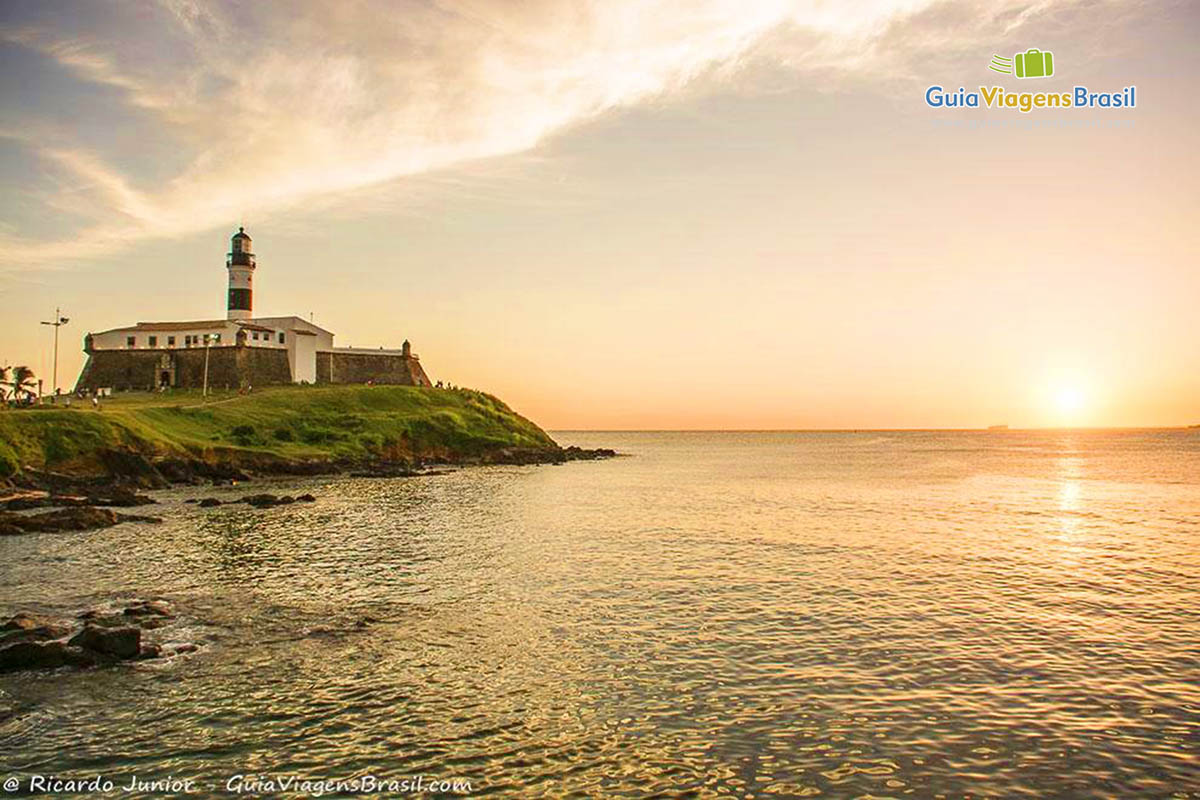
{"x": 278, "y": 106}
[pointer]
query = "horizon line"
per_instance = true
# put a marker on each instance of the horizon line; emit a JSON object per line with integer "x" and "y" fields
{"x": 883, "y": 430}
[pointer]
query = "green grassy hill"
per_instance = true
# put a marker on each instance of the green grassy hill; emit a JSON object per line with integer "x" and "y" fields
{"x": 301, "y": 423}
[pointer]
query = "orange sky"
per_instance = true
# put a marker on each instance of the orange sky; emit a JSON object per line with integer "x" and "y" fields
{"x": 654, "y": 215}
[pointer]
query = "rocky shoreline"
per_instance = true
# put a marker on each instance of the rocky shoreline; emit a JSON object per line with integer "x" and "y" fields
{"x": 85, "y": 502}
{"x": 122, "y": 472}
{"x": 94, "y": 638}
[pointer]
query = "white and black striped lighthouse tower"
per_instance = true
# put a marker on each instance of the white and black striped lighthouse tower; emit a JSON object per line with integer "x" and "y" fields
{"x": 241, "y": 276}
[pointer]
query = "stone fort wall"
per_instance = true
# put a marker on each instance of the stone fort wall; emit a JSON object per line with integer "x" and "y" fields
{"x": 237, "y": 367}
{"x": 232, "y": 366}
{"x": 385, "y": 368}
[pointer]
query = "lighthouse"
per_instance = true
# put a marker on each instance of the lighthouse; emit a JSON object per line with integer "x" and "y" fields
{"x": 241, "y": 276}
{"x": 238, "y": 350}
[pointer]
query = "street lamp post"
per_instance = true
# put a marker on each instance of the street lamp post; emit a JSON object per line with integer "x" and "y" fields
{"x": 59, "y": 321}
{"x": 207, "y": 342}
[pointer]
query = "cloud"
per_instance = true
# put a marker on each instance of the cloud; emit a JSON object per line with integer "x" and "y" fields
{"x": 276, "y": 106}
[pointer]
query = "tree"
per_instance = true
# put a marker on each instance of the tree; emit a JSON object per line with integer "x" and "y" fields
{"x": 21, "y": 383}
{"x": 3, "y": 383}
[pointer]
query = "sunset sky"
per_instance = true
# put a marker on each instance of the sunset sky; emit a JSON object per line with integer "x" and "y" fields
{"x": 629, "y": 213}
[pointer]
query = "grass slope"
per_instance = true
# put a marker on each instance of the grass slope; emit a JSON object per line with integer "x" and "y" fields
{"x": 295, "y": 423}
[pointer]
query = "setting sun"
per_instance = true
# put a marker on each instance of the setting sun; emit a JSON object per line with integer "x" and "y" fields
{"x": 1070, "y": 400}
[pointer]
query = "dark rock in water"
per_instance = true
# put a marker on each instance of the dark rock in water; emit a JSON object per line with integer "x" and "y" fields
{"x": 574, "y": 453}
{"x": 32, "y": 655}
{"x": 543, "y": 455}
{"x": 306, "y": 498}
{"x": 26, "y": 627}
{"x": 180, "y": 649}
{"x": 20, "y": 622}
{"x": 119, "y": 642}
{"x": 111, "y": 496}
{"x": 44, "y": 655}
{"x": 209, "y": 502}
{"x": 30, "y": 642}
{"x": 133, "y": 468}
{"x": 76, "y": 518}
{"x": 267, "y": 500}
{"x": 80, "y": 518}
{"x": 148, "y": 608}
{"x": 149, "y": 651}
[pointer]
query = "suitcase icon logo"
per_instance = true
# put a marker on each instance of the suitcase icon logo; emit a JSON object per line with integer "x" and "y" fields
{"x": 1033, "y": 63}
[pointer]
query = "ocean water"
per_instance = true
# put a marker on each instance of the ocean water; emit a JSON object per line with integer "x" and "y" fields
{"x": 761, "y": 615}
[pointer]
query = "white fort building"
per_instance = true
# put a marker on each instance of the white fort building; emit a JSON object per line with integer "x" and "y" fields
{"x": 241, "y": 350}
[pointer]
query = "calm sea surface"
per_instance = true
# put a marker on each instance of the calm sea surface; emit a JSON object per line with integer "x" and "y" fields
{"x": 769, "y": 615}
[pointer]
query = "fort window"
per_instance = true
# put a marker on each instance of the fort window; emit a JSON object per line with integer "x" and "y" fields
{"x": 256, "y": 336}
{"x": 154, "y": 341}
{"x": 281, "y": 337}
{"x": 131, "y": 341}
{"x": 170, "y": 341}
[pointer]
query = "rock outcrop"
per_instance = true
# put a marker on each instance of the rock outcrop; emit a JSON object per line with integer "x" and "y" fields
{"x": 30, "y": 628}
{"x": 76, "y": 518}
{"x": 106, "y": 637}
{"x": 261, "y": 500}
{"x": 543, "y": 455}
{"x": 118, "y": 497}
{"x": 120, "y": 642}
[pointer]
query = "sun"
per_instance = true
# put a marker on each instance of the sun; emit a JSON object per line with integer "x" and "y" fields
{"x": 1070, "y": 400}
{"x": 1067, "y": 396}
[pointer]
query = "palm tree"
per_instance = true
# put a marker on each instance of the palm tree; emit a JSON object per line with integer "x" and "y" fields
{"x": 21, "y": 383}
{"x": 3, "y": 381}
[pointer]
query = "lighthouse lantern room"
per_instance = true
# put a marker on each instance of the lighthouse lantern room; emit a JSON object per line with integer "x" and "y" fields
{"x": 241, "y": 276}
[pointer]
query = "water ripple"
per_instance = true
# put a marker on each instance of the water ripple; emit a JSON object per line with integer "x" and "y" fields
{"x": 776, "y": 615}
